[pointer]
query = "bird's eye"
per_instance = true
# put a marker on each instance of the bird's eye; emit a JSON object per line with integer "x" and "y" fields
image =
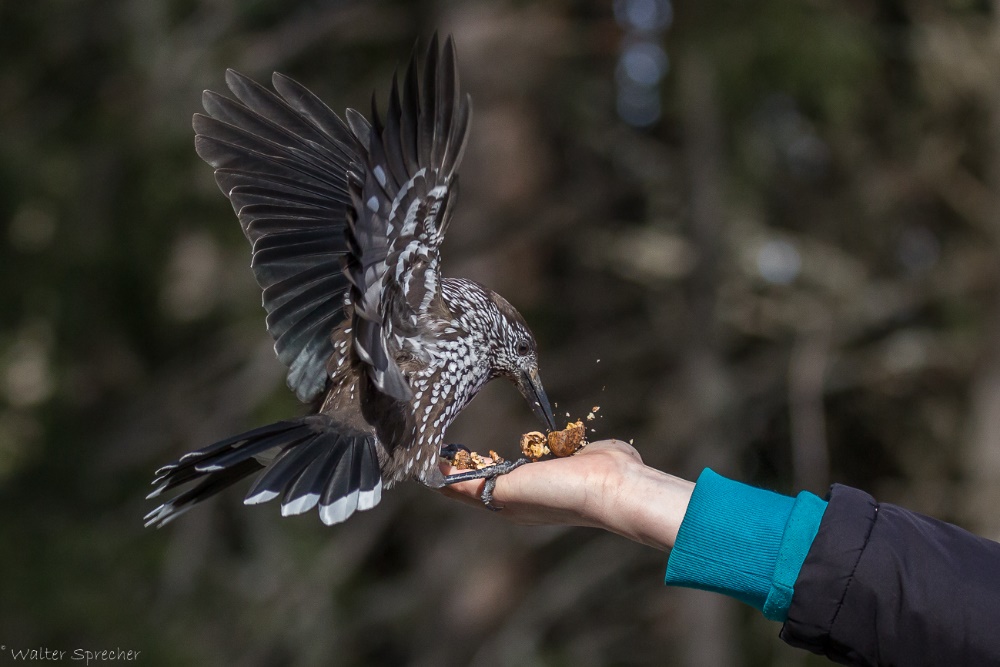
{"x": 523, "y": 348}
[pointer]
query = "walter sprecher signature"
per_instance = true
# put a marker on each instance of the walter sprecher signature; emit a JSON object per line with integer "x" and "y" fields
{"x": 84, "y": 655}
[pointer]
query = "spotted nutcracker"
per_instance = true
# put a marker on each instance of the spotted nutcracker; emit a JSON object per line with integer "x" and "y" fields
{"x": 346, "y": 221}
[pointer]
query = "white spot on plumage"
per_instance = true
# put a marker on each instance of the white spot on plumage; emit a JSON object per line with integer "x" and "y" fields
{"x": 340, "y": 509}
{"x": 260, "y": 497}
{"x": 369, "y": 499}
{"x": 157, "y": 491}
{"x": 300, "y": 505}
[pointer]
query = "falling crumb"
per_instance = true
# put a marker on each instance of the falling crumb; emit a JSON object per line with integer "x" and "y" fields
{"x": 590, "y": 417}
{"x": 567, "y": 414}
{"x": 596, "y": 408}
{"x": 598, "y": 361}
{"x": 631, "y": 441}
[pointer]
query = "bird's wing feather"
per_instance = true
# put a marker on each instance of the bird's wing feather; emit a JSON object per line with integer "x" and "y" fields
{"x": 401, "y": 206}
{"x": 337, "y": 206}
{"x": 421, "y": 210}
{"x": 282, "y": 160}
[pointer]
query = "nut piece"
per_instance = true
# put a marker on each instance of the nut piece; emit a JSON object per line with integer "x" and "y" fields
{"x": 533, "y": 445}
{"x": 567, "y": 441}
{"x": 466, "y": 460}
{"x": 463, "y": 460}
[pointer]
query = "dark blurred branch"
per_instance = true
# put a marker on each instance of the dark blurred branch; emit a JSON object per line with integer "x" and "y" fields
{"x": 708, "y": 616}
{"x": 982, "y": 454}
{"x": 806, "y": 371}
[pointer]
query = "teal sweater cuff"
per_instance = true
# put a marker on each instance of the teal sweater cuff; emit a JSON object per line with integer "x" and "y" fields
{"x": 744, "y": 542}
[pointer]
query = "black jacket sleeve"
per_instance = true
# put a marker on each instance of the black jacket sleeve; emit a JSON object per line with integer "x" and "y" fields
{"x": 885, "y": 586}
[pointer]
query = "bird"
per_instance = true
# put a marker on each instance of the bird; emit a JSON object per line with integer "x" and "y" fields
{"x": 346, "y": 218}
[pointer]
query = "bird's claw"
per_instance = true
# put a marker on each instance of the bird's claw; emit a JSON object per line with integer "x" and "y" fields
{"x": 489, "y": 474}
{"x": 487, "y": 495}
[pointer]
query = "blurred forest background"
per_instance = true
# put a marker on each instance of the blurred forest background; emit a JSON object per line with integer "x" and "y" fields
{"x": 762, "y": 237}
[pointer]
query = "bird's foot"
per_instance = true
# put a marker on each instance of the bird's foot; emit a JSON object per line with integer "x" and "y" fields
{"x": 488, "y": 473}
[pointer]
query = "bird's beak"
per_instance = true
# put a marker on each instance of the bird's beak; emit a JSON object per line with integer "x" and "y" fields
{"x": 530, "y": 386}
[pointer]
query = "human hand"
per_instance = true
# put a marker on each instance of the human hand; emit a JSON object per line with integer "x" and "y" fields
{"x": 605, "y": 485}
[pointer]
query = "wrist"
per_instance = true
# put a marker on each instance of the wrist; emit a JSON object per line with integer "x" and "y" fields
{"x": 645, "y": 505}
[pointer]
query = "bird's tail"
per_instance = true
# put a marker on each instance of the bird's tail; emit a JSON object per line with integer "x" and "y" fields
{"x": 307, "y": 461}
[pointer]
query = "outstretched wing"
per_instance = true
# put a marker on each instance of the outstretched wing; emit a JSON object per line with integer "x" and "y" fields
{"x": 282, "y": 160}
{"x": 402, "y": 197}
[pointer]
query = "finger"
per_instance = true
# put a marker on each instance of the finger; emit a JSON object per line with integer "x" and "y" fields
{"x": 469, "y": 491}
{"x": 462, "y": 495}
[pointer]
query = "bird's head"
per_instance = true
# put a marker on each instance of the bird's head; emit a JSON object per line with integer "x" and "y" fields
{"x": 513, "y": 354}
